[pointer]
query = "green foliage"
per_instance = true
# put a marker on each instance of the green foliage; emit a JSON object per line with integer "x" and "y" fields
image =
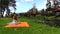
{"x": 4, "y": 4}
{"x": 50, "y": 17}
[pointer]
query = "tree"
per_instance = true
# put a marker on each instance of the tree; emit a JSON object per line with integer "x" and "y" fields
{"x": 48, "y": 5}
{"x": 55, "y": 3}
{"x": 42, "y": 12}
{"x": 4, "y": 5}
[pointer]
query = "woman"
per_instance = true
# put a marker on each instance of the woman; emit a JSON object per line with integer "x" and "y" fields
{"x": 14, "y": 19}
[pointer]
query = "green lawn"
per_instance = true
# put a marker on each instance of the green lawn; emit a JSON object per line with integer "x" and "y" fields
{"x": 35, "y": 27}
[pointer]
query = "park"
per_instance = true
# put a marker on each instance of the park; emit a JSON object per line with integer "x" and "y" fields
{"x": 33, "y": 21}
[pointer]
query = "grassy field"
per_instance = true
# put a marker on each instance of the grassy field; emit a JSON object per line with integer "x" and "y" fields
{"x": 35, "y": 27}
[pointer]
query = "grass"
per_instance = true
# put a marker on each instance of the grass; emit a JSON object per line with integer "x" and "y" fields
{"x": 35, "y": 27}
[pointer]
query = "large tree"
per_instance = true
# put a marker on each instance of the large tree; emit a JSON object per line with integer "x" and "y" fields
{"x": 4, "y": 5}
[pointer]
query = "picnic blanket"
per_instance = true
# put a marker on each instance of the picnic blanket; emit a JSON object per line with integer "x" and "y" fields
{"x": 19, "y": 24}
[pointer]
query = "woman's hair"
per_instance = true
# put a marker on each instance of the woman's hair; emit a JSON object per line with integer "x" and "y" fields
{"x": 14, "y": 13}
{"x": 15, "y": 16}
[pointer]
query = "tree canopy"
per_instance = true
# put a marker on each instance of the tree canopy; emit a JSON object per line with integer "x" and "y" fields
{"x": 4, "y": 5}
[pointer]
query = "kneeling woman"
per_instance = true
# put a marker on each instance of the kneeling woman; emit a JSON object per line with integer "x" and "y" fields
{"x": 14, "y": 19}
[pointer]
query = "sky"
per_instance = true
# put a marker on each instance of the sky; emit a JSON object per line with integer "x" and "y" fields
{"x": 25, "y": 5}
